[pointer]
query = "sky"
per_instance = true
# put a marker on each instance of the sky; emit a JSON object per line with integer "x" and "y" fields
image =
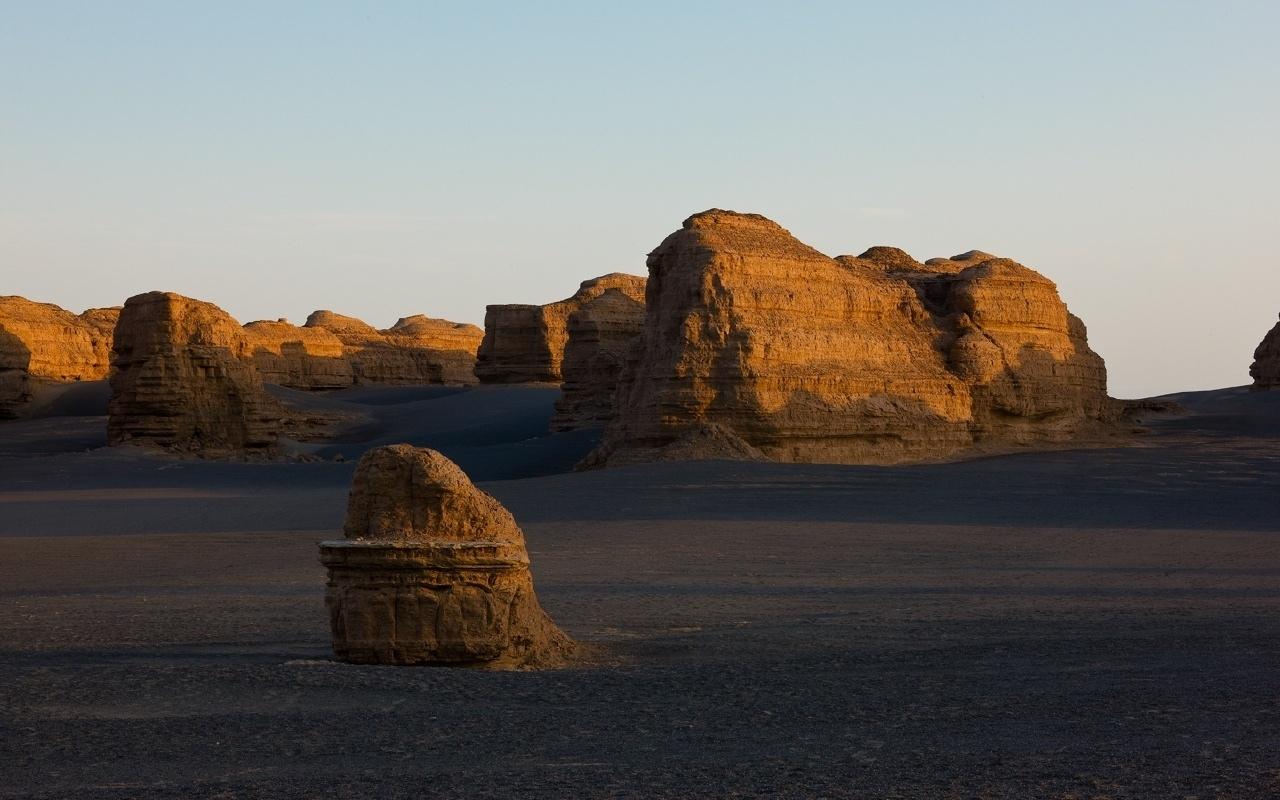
{"x": 388, "y": 159}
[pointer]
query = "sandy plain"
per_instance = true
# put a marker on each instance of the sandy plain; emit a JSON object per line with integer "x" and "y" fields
{"x": 1101, "y": 623}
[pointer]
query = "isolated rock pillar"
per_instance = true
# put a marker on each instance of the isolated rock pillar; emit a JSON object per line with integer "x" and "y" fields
{"x": 433, "y": 571}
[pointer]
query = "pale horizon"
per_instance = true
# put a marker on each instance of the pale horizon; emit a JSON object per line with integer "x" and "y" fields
{"x": 411, "y": 160}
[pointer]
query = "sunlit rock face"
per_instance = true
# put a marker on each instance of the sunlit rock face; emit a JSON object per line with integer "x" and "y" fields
{"x": 297, "y": 357}
{"x": 526, "y": 343}
{"x": 600, "y": 333}
{"x": 869, "y": 359}
{"x": 1266, "y": 362}
{"x": 433, "y": 571}
{"x": 183, "y": 379}
{"x": 41, "y": 343}
{"x": 332, "y": 351}
{"x": 416, "y": 350}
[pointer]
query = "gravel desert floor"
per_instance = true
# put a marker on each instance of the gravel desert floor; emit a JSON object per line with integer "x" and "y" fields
{"x": 1100, "y": 623}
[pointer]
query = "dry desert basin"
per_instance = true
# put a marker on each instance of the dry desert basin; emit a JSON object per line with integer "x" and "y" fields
{"x": 1088, "y": 623}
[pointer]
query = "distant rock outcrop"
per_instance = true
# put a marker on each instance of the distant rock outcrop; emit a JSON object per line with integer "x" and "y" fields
{"x": 600, "y": 334}
{"x": 526, "y": 343}
{"x": 300, "y": 358}
{"x": 184, "y": 380}
{"x": 433, "y": 571}
{"x": 416, "y": 350}
{"x": 42, "y": 343}
{"x": 1266, "y": 362}
{"x": 868, "y": 359}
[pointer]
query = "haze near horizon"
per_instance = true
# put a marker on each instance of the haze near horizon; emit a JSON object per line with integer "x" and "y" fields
{"x": 433, "y": 159}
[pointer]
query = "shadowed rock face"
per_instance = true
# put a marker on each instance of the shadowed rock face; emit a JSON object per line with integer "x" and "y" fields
{"x": 600, "y": 333}
{"x": 873, "y": 359}
{"x": 184, "y": 379}
{"x": 42, "y": 343}
{"x": 416, "y": 350}
{"x": 1266, "y": 362}
{"x": 526, "y": 343}
{"x": 433, "y": 571}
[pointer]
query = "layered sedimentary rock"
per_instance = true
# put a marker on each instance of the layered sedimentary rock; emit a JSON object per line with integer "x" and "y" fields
{"x": 432, "y": 571}
{"x": 599, "y": 335}
{"x": 184, "y": 379}
{"x": 300, "y": 358}
{"x": 415, "y": 350}
{"x": 42, "y": 343}
{"x": 526, "y": 343}
{"x": 869, "y": 359}
{"x": 1266, "y": 362}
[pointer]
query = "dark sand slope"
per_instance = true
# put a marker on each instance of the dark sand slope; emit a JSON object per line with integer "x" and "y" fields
{"x": 1101, "y": 623}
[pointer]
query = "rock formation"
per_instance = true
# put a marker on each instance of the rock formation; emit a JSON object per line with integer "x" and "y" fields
{"x": 415, "y": 350}
{"x": 868, "y": 359}
{"x": 42, "y": 343}
{"x": 1266, "y": 362}
{"x": 432, "y": 571}
{"x": 525, "y": 343}
{"x": 184, "y": 379}
{"x": 300, "y": 358}
{"x": 600, "y": 334}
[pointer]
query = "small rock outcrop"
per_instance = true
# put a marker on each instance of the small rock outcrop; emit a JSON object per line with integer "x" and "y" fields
{"x": 416, "y": 350}
{"x": 41, "y": 343}
{"x": 433, "y": 571}
{"x": 869, "y": 359}
{"x": 526, "y": 343}
{"x": 184, "y": 379}
{"x": 1266, "y": 362}
{"x": 600, "y": 333}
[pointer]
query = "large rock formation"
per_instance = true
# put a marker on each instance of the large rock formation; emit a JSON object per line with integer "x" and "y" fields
{"x": 42, "y": 343}
{"x": 184, "y": 379}
{"x": 1266, "y": 362}
{"x": 600, "y": 334}
{"x": 525, "y": 343}
{"x": 868, "y": 359}
{"x": 415, "y": 350}
{"x": 432, "y": 571}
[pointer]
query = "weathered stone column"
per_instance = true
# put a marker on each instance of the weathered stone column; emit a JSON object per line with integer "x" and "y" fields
{"x": 433, "y": 571}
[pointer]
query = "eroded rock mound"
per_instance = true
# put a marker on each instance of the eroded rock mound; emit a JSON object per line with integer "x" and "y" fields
{"x": 41, "y": 343}
{"x": 869, "y": 359}
{"x": 433, "y": 571}
{"x": 416, "y": 350}
{"x": 600, "y": 334}
{"x": 526, "y": 343}
{"x": 184, "y": 379}
{"x": 1266, "y": 362}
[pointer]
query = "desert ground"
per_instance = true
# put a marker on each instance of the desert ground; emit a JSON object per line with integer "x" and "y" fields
{"x": 1097, "y": 623}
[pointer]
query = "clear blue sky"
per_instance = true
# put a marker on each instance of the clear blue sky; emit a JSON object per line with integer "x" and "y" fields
{"x": 386, "y": 159}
